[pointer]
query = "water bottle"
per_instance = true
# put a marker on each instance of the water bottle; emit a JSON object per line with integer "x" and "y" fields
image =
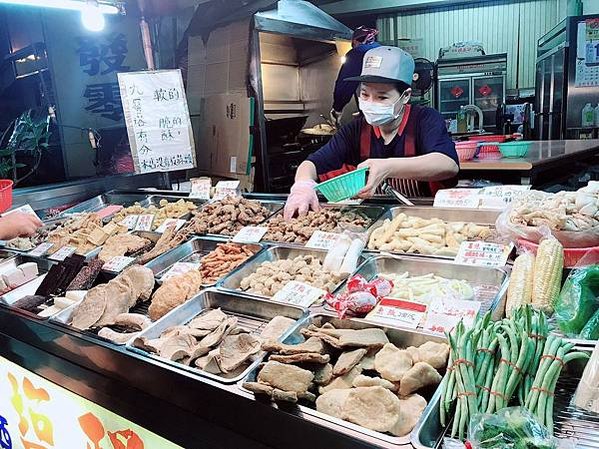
{"x": 588, "y": 116}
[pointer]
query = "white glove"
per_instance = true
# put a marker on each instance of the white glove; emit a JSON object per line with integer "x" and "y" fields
{"x": 301, "y": 199}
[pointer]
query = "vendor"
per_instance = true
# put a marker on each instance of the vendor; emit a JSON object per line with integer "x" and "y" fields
{"x": 18, "y": 224}
{"x": 393, "y": 139}
{"x": 363, "y": 39}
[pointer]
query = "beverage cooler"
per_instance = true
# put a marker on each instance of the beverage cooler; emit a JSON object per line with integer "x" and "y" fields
{"x": 478, "y": 80}
{"x": 567, "y": 79}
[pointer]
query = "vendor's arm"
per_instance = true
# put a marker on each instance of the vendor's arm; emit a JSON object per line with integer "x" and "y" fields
{"x": 18, "y": 224}
{"x": 306, "y": 172}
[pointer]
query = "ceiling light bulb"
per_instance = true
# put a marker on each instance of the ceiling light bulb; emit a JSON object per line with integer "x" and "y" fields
{"x": 92, "y": 18}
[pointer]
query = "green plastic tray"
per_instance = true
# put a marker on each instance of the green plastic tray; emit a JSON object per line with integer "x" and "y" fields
{"x": 344, "y": 186}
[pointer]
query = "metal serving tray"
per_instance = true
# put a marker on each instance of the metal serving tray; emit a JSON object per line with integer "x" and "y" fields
{"x": 401, "y": 338}
{"x": 253, "y": 314}
{"x": 489, "y": 284}
{"x": 154, "y": 199}
{"x": 477, "y": 216}
{"x": 273, "y": 254}
{"x": 110, "y": 198}
{"x": 28, "y": 288}
{"x": 47, "y": 224}
{"x": 569, "y": 420}
{"x": 373, "y": 213}
{"x": 193, "y": 251}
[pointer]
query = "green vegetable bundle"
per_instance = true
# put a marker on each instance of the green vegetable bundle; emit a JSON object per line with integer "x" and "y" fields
{"x": 496, "y": 364}
{"x": 578, "y": 303}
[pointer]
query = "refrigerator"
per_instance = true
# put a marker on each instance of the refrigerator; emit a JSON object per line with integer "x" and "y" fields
{"x": 477, "y": 80}
{"x": 567, "y": 78}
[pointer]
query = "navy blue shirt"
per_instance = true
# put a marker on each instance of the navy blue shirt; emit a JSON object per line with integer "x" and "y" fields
{"x": 344, "y": 147}
{"x": 352, "y": 66}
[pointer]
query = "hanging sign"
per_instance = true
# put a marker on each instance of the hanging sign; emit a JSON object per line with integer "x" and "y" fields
{"x": 157, "y": 119}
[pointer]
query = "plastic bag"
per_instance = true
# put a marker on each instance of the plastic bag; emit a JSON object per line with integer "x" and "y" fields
{"x": 578, "y": 301}
{"x": 587, "y": 392}
{"x": 509, "y": 428}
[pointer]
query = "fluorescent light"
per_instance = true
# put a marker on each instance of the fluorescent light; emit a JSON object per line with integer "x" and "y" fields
{"x": 92, "y": 18}
{"x": 75, "y": 5}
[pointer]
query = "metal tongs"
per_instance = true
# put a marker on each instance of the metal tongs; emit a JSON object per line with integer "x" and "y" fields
{"x": 398, "y": 196}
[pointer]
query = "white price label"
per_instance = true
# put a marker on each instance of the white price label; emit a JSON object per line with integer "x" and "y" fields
{"x": 445, "y": 313}
{"x": 250, "y": 234}
{"x": 322, "y": 240}
{"x": 25, "y": 209}
{"x": 299, "y": 294}
{"x": 499, "y": 197}
{"x": 118, "y": 263}
{"x": 40, "y": 250}
{"x": 483, "y": 254}
{"x": 63, "y": 253}
{"x": 129, "y": 221}
{"x": 144, "y": 222}
{"x": 397, "y": 312}
{"x": 460, "y": 198}
{"x": 178, "y": 223}
{"x": 180, "y": 268}
{"x": 227, "y": 188}
{"x": 200, "y": 190}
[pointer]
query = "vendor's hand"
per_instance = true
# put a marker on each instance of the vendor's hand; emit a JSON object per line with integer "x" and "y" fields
{"x": 335, "y": 117}
{"x": 301, "y": 199}
{"x": 18, "y": 224}
{"x": 378, "y": 171}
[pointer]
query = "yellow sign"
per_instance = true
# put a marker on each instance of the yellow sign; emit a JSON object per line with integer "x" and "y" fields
{"x": 38, "y": 414}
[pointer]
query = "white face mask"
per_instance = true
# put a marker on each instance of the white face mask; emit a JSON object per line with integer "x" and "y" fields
{"x": 377, "y": 114}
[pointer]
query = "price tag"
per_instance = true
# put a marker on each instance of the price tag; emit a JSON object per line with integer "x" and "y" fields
{"x": 63, "y": 253}
{"x": 250, "y": 234}
{"x": 25, "y": 209}
{"x": 461, "y": 198}
{"x": 180, "y": 268}
{"x": 168, "y": 222}
{"x": 444, "y": 314}
{"x": 322, "y": 240}
{"x": 227, "y": 188}
{"x": 499, "y": 197}
{"x": 40, "y": 250}
{"x": 397, "y": 312}
{"x": 299, "y": 294}
{"x": 130, "y": 221}
{"x": 144, "y": 222}
{"x": 118, "y": 263}
{"x": 109, "y": 210}
{"x": 483, "y": 254}
{"x": 200, "y": 188}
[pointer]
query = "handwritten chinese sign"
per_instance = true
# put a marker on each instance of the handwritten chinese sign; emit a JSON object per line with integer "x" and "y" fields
{"x": 483, "y": 254}
{"x": 158, "y": 122}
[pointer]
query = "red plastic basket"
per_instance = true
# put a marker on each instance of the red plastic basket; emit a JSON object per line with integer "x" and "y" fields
{"x": 466, "y": 150}
{"x": 5, "y": 195}
{"x": 571, "y": 255}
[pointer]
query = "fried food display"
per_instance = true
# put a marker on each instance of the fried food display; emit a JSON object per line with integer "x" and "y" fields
{"x": 415, "y": 235}
{"x": 228, "y": 216}
{"x": 164, "y": 210}
{"x": 174, "y": 292}
{"x": 224, "y": 259}
{"x": 270, "y": 277}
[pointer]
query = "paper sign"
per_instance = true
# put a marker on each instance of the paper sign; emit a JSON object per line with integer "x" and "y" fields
{"x": 299, "y": 294}
{"x": 63, "y": 253}
{"x": 397, "y": 312}
{"x": 250, "y": 234}
{"x": 200, "y": 188}
{"x": 157, "y": 119}
{"x": 322, "y": 240}
{"x": 227, "y": 188}
{"x": 483, "y": 254}
{"x": 144, "y": 222}
{"x": 118, "y": 263}
{"x": 168, "y": 222}
{"x": 445, "y": 313}
{"x": 180, "y": 268}
{"x": 499, "y": 197}
{"x": 461, "y": 198}
{"x": 129, "y": 221}
{"x": 40, "y": 250}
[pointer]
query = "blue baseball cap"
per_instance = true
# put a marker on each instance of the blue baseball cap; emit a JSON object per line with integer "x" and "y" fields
{"x": 386, "y": 65}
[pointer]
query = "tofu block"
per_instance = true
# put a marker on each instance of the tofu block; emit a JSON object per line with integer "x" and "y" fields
{"x": 29, "y": 269}
{"x": 14, "y": 277}
{"x": 63, "y": 303}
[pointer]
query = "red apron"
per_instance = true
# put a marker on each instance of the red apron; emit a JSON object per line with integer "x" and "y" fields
{"x": 407, "y": 187}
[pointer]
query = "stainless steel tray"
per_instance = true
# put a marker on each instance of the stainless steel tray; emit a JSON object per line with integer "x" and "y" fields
{"x": 489, "y": 284}
{"x": 28, "y": 288}
{"x": 476, "y": 216}
{"x": 252, "y": 313}
{"x": 192, "y": 251}
{"x": 402, "y": 338}
{"x": 274, "y": 253}
{"x": 373, "y": 213}
{"x": 569, "y": 421}
{"x": 110, "y": 198}
{"x": 155, "y": 200}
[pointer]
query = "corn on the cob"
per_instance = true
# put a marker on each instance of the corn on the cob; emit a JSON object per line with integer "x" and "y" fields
{"x": 519, "y": 291}
{"x": 547, "y": 275}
